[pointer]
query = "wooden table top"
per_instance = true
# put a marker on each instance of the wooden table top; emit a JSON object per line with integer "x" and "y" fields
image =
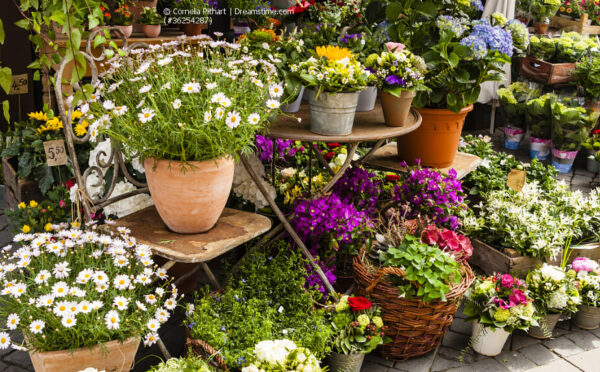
{"x": 368, "y": 126}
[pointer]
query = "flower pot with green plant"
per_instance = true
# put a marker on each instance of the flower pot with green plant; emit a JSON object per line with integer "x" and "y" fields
{"x": 587, "y": 74}
{"x": 96, "y": 294}
{"x": 460, "y": 56}
{"x": 498, "y": 305}
{"x": 554, "y": 293}
{"x": 538, "y": 116}
{"x": 399, "y": 74}
{"x": 282, "y": 354}
{"x": 138, "y": 6}
{"x": 151, "y": 22}
{"x": 542, "y": 11}
{"x": 247, "y": 14}
{"x": 588, "y": 276}
{"x": 592, "y": 146}
{"x": 334, "y": 79}
{"x": 194, "y": 14}
{"x": 359, "y": 330}
{"x": 188, "y": 118}
{"x": 513, "y": 103}
{"x": 122, "y": 18}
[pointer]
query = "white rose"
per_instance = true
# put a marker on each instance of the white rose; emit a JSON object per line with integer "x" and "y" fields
{"x": 288, "y": 172}
{"x": 250, "y": 368}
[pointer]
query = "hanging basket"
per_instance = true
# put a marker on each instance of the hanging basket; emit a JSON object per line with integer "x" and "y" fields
{"x": 195, "y": 347}
{"x": 415, "y": 327}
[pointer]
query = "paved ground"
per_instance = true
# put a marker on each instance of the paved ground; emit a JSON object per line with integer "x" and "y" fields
{"x": 570, "y": 349}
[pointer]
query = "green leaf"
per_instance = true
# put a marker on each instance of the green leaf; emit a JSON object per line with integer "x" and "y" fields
{"x": 6, "y": 110}
{"x": 5, "y": 79}
{"x": 453, "y": 60}
{"x": 392, "y": 11}
{"x": 23, "y": 23}
{"x": 451, "y": 99}
{"x": 2, "y": 35}
{"x": 462, "y": 76}
{"x": 360, "y": 338}
{"x": 98, "y": 40}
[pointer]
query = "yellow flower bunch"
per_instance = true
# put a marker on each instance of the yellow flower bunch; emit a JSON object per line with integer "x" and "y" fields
{"x": 333, "y": 53}
{"x": 81, "y": 129}
{"x": 41, "y": 116}
{"x": 54, "y": 124}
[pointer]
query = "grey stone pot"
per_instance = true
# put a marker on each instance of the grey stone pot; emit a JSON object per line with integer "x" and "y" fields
{"x": 332, "y": 114}
{"x": 588, "y": 317}
{"x": 345, "y": 363}
{"x": 546, "y": 327}
{"x": 591, "y": 164}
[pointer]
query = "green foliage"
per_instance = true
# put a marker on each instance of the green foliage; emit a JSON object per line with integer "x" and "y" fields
{"x": 539, "y": 115}
{"x": 38, "y": 217}
{"x": 542, "y": 10}
{"x": 187, "y": 364}
{"x": 587, "y": 73}
{"x": 428, "y": 272}
{"x": 569, "y": 47}
{"x": 571, "y": 126}
{"x": 513, "y": 102}
{"x": 149, "y": 16}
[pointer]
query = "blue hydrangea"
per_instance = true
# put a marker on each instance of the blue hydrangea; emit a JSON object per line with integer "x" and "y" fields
{"x": 477, "y": 45}
{"x": 476, "y": 4}
{"x": 449, "y": 23}
{"x": 496, "y": 38}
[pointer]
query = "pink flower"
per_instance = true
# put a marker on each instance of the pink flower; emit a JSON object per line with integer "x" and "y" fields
{"x": 507, "y": 281}
{"x": 394, "y": 47}
{"x": 500, "y": 302}
{"x": 62, "y": 203}
{"x": 517, "y": 298}
{"x": 584, "y": 264}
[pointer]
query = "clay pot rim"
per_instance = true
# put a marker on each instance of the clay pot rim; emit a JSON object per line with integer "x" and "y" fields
{"x": 405, "y": 93}
{"x": 91, "y": 348}
{"x": 434, "y": 111}
{"x": 224, "y": 157}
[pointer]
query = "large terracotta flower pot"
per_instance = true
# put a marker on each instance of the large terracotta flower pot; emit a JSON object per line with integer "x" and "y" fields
{"x": 541, "y": 28}
{"x": 151, "y": 30}
{"x": 396, "y": 109}
{"x": 192, "y": 29}
{"x": 435, "y": 142}
{"x": 190, "y": 201}
{"x": 112, "y": 356}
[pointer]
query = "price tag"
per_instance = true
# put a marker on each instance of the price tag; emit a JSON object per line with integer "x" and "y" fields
{"x": 516, "y": 179}
{"x": 56, "y": 154}
{"x": 19, "y": 84}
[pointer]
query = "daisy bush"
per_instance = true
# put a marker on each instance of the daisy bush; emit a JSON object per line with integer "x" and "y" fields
{"x": 186, "y": 102}
{"x": 74, "y": 288}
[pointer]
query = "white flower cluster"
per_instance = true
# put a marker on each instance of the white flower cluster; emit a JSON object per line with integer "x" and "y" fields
{"x": 284, "y": 355}
{"x": 552, "y": 289}
{"x": 245, "y": 188}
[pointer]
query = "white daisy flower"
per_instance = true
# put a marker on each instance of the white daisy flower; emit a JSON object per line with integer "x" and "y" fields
{"x": 69, "y": 321}
{"x": 233, "y": 119}
{"x": 217, "y": 98}
{"x": 165, "y": 61}
{"x": 176, "y": 104}
{"x": 18, "y": 289}
{"x": 121, "y": 261}
{"x": 37, "y": 326}
{"x": 108, "y": 105}
{"x": 258, "y": 83}
{"x": 254, "y": 119}
{"x": 60, "y": 289}
{"x": 190, "y": 88}
{"x": 141, "y": 306}
{"x": 161, "y": 273}
{"x": 150, "y": 298}
{"x": 143, "y": 67}
{"x": 170, "y": 303}
{"x": 275, "y": 90}
{"x": 45, "y": 300}
{"x": 76, "y": 292}
{"x": 84, "y": 276}
{"x": 101, "y": 287}
{"x": 4, "y": 340}
{"x": 73, "y": 307}
{"x": 96, "y": 305}
{"x": 97, "y": 253}
{"x": 121, "y": 282}
{"x": 145, "y": 89}
{"x": 61, "y": 270}
{"x": 121, "y": 302}
{"x": 211, "y": 86}
{"x": 147, "y": 262}
{"x": 111, "y": 319}
{"x": 146, "y": 115}
{"x": 161, "y": 315}
{"x": 142, "y": 279}
{"x": 100, "y": 277}
{"x": 120, "y": 110}
{"x": 150, "y": 339}
{"x": 61, "y": 308}
{"x": 225, "y": 102}
{"x": 219, "y": 112}
{"x": 84, "y": 307}
{"x": 12, "y": 321}
{"x": 94, "y": 97}
{"x": 153, "y": 325}
{"x": 42, "y": 277}
{"x": 142, "y": 103}
{"x": 273, "y": 104}
{"x": 166, "y": 85}
{"x": 207, "y": 116}
{"x": 159, "y": 291}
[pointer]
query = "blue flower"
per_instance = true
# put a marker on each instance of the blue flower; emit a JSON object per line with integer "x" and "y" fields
{"x": 496, "y": 38}
{"x": 223, "y": 328}
{"x": 477, "y": 46}
{"x": 477, "y": 5}
{"x": 449, "y": 23}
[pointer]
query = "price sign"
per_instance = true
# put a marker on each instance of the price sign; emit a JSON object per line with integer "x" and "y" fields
{"x": 516, "y": 179}
{"x": 56, "y": 154}
{"x": 19, "y": 84}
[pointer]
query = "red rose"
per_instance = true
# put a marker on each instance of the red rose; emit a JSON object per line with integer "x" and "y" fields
{"x": 333, "y": 145}
{"x": 392, "y": 177}
{"x": 359, "y": 303}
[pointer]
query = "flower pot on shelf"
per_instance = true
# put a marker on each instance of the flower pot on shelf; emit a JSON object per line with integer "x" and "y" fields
{"x": 591, "y": 164}
{"x": 126, "y": 30}
{"x": 541, "y": 28}
{"x": 435, "y": 142}
{"x": 563, "y": 160}
{"x": 190, "y": 201}
{"x": 294, "y": 106}
{"x": 192, "y": 29}
{"x": 513, "y": 137}
{"x": 151, "y": 30}
{"x": 137, "y": 7}
{"x": 487, "y": 341}
{"x": 396, "y": 109}
{"x": 539, "y": 148}
{"x": 332, "y": 114}
{"x": 366, "y": 99}
{"x": 587, "y": 317}
{"x": 345, "y": 362}
{"x": 544, "y": 330}
{"x": 111, "y": 356}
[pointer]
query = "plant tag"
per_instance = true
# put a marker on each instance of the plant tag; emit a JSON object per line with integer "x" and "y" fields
{"x": 516, "y": 179}
{"x": 56, "y": 153}
{"x": 20, "y": 84}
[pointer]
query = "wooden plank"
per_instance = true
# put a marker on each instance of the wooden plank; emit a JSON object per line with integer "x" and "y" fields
{"x": 488, "y": 259}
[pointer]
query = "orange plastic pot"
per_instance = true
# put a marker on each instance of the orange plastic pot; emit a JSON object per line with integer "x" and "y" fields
{"x": 436, "y": 140}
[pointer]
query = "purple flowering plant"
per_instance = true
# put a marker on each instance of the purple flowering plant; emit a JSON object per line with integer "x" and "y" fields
{"x": 360, "y": 188}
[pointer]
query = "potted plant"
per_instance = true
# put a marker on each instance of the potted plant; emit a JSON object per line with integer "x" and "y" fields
{"x": 399, "y": 75}
{"x": 34, "y": 217}
{"x": 270, "y": 355}
{"x": 542, "y": 10}
{"x": 151, "y": 22}
{"x": 193, "y": 115}
{"x": 359, "y": 330}
{"x": 85, "y": 298}
{"x": 513, "y": 103}
{"x": 188, "y": 363}
{"x": 554, "y": 293}
{"x": 334, "y": 79}
{"x": 587, "y": 74}
{"x": 588, "y": 314}
{"x": 570, "y": 129}
{"x": 460, "y": 56}
{"x": 592, "y": 146}
{"x": 538, "y": 116}
{"x": 498, "y": 305}
{"x": 137, "y": 8}
{"x": 192, "y": 24}
{"x": 122, "y": 19}
{"x": 571, "y": 9}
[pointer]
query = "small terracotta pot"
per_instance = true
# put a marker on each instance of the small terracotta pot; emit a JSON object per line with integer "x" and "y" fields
{"x": 126, "y": 30}
{"x": 190, "y": 201}
{"x": 541, "y": 28}
{"x": 396, "y": 109}
{"x": 151, "y": 30}
{"x": 137, "y": 7}
{"x": 111, "y": 356}
{"x": 192, "y": 29}
{"x": 435, "y": 142}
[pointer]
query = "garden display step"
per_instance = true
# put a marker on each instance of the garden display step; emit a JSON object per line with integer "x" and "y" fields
{"x": 386, "y": 159}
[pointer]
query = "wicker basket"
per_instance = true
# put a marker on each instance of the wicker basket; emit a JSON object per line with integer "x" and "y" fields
{"x": 415, "y": 327}
{"x": 198, "y": 347}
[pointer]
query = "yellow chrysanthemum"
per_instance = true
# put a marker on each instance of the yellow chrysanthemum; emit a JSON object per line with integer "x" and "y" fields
{"x": 38, "y": 116}
{"x": 33, "y": 203}
{"x": 76, "y": 115}
{"x": 81, "y": 129}
{"x": 22, "y": 205}
{"x": 333, "y": 53}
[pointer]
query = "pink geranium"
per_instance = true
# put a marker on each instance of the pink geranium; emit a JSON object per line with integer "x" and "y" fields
{"x": 457, "y": 245}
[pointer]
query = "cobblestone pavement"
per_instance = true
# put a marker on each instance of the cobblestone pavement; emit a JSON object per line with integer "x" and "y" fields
{"x": 571, "y": 349}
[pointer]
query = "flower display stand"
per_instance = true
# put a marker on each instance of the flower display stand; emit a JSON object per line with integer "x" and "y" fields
{"x": 580, "y": 25}
{"x": 546, "y": 72}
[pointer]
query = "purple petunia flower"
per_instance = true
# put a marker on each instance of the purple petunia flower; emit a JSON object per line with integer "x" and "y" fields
{"x": 395, "y": 80}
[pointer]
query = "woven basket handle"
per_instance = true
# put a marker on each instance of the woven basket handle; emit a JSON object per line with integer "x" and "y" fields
{"x": 383, "y": 272}
{"x": 195, "y": 343}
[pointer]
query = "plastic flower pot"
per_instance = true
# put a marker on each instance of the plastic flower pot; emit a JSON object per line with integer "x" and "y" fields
{"x": 587, "y": 317}
{"x": 487, "y": 341}
{"x": 111, "y": 356}
{"x": 436, "y": 141}
{"x": 345, "y": 362}
{"x": 591, "y": 164}
{"x": 544, "y": 330}
{"x": 541, "y": 28}
{"x": 192, "y": 29}
{"x": 190, "y": 201}
{"x": 539, "y": 148}
{"x": 563, "y": 160}
{"x": 332, "y": 114}
{"x": 151, "y": 30}
{"x": 366, "y": 99}
{"x": 126, "y": 30}
{"x": 513, "y": 137}
{"x": 396, "y": 109}
{"x": 294, "y": 106}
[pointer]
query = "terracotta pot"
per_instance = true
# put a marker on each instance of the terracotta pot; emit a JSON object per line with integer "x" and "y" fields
{"x": 396, "y": 109}
{"x": 192, "y": 29}
{"x": 435, "y": 142}
{"x": 151, "y": 30}
{"x": 190, "y": 201}
{"x": 541, "y": 28}
{"x": 544, "y": 330}
{"x": 126, "y": 30}
{"x": 112, "y": 356}
{"x": 137, "y": 7}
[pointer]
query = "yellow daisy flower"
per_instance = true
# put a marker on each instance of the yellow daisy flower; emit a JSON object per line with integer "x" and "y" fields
{"x": 333, "y": 53}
